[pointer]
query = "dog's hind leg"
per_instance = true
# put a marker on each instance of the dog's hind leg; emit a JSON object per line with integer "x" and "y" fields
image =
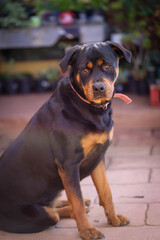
{"x": 64, "y": 203}
{"x": 28, "y": 219}
{"x": 52, "y": 213}
{"x": 65, "y": 212}
{"x": 57, "y": 213}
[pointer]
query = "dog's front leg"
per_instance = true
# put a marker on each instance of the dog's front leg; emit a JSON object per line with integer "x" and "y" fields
{"x": 70, "y": 178}
{"x": 105, "y": 197}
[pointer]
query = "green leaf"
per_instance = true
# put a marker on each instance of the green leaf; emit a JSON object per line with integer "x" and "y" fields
{"x": 116, "y": 5}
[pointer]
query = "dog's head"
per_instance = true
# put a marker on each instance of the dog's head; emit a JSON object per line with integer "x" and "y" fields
{"x": 94, "y": 69}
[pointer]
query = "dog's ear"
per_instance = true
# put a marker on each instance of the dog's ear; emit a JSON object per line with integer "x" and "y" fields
{"x": 68, "y": 58}
{"x": 120, "y": 50}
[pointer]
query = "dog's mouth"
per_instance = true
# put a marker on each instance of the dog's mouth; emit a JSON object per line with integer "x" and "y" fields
{"x": 100, "y": 100}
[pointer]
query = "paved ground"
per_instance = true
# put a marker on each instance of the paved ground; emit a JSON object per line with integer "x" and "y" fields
{"x": 133, "y": 169}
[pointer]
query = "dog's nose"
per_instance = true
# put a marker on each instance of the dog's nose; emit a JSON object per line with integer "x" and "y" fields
{"x": 98, "y": 88}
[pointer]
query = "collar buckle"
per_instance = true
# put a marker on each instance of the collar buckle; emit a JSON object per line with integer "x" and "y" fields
{"x": 105, "y": 106}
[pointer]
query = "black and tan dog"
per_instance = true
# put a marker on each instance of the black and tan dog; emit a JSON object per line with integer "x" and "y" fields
{"x": 64, "y": 142}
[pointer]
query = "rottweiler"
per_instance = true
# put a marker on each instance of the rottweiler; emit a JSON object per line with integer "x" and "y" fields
{"x": 63, "y": 143}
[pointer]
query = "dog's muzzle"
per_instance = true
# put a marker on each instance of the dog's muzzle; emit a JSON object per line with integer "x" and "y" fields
{"x": 98, "y": 90}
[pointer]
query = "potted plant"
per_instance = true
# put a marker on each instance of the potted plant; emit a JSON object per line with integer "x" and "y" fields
{"x": 122, "y": 81}
{"x": 141, "y": 81}
{"x": 1, "y": 85}
{"x": 13, "y": 14}
{"x": 41, "y": 83}
{"x": 139, "y": 24}
{"x": 10, "y": 84}
{"x": 52, "y": 75}
{"x": 24, "y": 82}
{"x": 138, "y": 82}
{"x": 47, "y": 80}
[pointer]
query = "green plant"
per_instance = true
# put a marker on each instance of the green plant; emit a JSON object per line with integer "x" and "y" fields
{"x": 12, "y": 14}
{"x": 95, "y": 4}
{"x": 69, "y": 5}
{"x": 139, "y": 19}
{"x": 23, "y": 75}
{"x": 51, "y": 74}
{"x": 123, "y": 75}
{"x": 133, "y": 16}
{"x": 7, "y": 74}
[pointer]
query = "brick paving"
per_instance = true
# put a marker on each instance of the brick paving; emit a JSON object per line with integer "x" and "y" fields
{"x": 133, "y": 169}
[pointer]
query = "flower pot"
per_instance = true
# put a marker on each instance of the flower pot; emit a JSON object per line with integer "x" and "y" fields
{"x": 10, "y": 86}
{"x": 41, "y": 85}
{"x": 89, "y": 13}
{"x": 1, "y": 87}
{"x": 35, "y": 21}
{"x": 119, "y": 87}
{"x": 132, "y": 84}
{"x": 25, "y": 85}
{"x": 66, "y": 18}
{"x": 142, "y": 87}
{"x": 151, "y": 75}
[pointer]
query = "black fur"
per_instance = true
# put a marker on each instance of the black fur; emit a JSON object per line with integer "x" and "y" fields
{"x": 29, "y": 176}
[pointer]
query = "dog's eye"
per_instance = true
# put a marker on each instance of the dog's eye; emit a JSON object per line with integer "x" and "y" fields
{"x": 107, "y": 66}
{"x": 85, "y": 70}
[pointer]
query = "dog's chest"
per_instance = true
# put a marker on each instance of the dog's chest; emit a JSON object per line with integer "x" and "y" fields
{"x": 94, "y": 146}
{"x": 89, "y": 141}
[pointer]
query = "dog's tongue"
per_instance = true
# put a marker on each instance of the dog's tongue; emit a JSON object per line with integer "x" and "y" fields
{"x": 123, "y": 97}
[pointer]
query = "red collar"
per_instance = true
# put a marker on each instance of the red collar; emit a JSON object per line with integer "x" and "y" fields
{"x": 123, "y": 97}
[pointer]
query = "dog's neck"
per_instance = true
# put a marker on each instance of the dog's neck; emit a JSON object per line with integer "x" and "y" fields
{"x": 75, "y": 109}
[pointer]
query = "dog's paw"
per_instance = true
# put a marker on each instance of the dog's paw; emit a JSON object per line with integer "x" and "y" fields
{"x": 87, "y": 210}
{"x": 87, "y": 202}
{"x": 118, "y": 220}
{"x": 91, "y": 233}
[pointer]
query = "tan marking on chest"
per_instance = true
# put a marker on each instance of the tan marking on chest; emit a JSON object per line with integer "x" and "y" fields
{"x": 92, "y": 139}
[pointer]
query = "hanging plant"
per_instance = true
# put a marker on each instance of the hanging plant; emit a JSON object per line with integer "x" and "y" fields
{"x": 12, "y": 14}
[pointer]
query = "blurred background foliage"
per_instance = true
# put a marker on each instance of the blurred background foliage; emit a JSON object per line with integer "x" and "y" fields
{"x": 69, "y": 5}
{"x": 138, "y": 23}
{"x": 140, "y": 18}
{"x": 135, "y": 17}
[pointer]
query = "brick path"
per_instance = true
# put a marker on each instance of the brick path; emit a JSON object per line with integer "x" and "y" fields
{"x": 133, "y": 169}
